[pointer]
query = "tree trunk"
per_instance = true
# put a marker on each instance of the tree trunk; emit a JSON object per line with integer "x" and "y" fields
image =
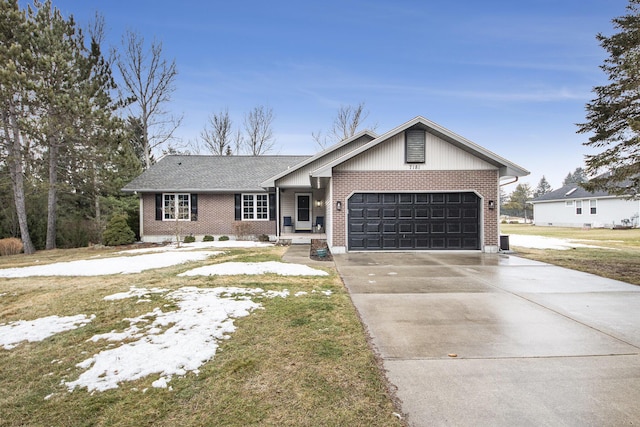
{"x": 17, "y": 178}
{"x": 96, "y": 203}
{"x": 52, "y": 199}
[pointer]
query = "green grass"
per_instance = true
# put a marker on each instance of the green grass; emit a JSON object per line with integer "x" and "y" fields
{"x": 619, "y": 257}
{"x": 302, "y": 361}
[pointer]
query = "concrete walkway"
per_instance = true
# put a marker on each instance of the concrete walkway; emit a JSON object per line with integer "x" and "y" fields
{"x": 473, "y": 339}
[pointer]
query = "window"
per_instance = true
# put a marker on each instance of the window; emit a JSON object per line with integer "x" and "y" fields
{"x": 569, "y": 203}
{"x": 255, "y": 207}
{"x": 415, "y": 142}
{"x": 176, "y": 204}
{"x": 578, "y": 207}
{"x": 593, "y": 207}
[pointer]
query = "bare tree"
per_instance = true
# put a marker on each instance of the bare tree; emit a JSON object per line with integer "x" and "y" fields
{"x": 257, "y": 125}
{"x": 217, "y": 133}
{"x": 238, "y": 142}
{"x": 345, "y": 125}
{"x": 149, "y": 80}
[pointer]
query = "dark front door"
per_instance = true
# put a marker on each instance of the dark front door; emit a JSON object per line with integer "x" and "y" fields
{"x": 410, "y": 221}
{"x": 303, "y": 212}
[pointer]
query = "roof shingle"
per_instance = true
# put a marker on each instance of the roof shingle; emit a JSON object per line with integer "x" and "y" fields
{"x": 210, "y": 173}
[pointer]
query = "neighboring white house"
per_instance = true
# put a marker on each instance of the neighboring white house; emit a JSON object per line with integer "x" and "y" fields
{"x": 573, "y": 206}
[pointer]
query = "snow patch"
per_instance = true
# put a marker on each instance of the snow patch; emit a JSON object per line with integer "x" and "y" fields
{"x": 175, "y": 343}
{"x": 12, "y": 333}
{"x": 542, "y": 242}
{"x": 105, "y": 266}
{"x": 274, "y": 267}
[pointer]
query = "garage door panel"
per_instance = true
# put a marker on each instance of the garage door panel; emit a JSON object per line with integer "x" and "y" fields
{"x": 389, "y": 228}
{"x": 373, "y": 213}
{"x": 407, "y": 221}
{"x": 421, "y": 213}
{"x": 421, "y": 228}
{"x": 405, "y": 213}
{"x": 389, "y": 213}
{"x": 470, "y": 213}
{"x": 405, "y": 227}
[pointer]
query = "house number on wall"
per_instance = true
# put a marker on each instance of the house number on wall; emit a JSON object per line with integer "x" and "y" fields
{"x": 414, "y": 167}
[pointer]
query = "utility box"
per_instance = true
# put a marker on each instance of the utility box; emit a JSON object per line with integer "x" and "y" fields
{"x": 504, "y": 242}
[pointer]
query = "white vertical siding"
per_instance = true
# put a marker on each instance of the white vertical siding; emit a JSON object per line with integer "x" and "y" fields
{"x": 440, "y": 155}
{"x": 300, "y": 178}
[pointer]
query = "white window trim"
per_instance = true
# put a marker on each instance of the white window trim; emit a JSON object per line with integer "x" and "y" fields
{"x": 254, "y": 212}
{"x": 175, "y": 207}
{"x": 579, "y": 206}
{"x": 568, "y": 203}
{"x": 593, "y": 203}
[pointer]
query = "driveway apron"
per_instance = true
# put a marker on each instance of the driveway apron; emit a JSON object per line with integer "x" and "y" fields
{"x": 494, "y": 340}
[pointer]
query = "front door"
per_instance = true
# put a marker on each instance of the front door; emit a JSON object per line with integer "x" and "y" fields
{"x": 303, "y": 211}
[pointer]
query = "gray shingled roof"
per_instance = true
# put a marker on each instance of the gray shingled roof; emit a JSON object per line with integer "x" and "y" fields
{"x": 210, "y": 173}
{"x": 561, "y": 194}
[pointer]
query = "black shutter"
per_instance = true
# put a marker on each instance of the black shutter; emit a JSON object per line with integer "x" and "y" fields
{"x": 272, "y": 206}
{"x": 238, "y": 206}
{"x": 158, "y": 207}
{"x": 194, "y": 207}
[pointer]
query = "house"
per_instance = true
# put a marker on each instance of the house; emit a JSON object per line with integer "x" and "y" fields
{"x": 418, "y": 186}
{"x": 573, "y": 206}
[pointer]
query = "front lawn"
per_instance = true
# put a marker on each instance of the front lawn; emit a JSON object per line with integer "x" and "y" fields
{"x": 617, "y": 255}
{"x": 301, "y": 358}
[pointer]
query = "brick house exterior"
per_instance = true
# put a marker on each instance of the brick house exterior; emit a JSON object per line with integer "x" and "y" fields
{"x": 417, "y": 187}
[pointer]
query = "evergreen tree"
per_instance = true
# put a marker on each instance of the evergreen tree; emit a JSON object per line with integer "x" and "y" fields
{"x": 578, "y": 176}
{"x": 613, "y": 117}
{"x": 518, "y": 201}
{"x": 543, "y": 187}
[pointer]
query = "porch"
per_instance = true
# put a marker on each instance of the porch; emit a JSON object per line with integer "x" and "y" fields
{"x": 301, "y": 238}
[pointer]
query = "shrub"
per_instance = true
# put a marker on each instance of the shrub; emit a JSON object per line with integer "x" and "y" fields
{"x": 10, "y": 246}
{"x": 208, "y": 238}
{"x": 189, "y": 239}
{"x": 223, "y": 238}
{"x": 118, "y": 232}
{"x": 242, "y": 230}
{"x": 263, "y": 238}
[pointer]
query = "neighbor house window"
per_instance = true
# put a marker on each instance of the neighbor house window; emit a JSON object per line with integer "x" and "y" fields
{"x": 578, "y": 207}
{"x": 569, "y": 203}
{"x": 593, "y": 208}
{"x": 415, "y": 143}
{"x": 255, "y": 206}
{"x": 176, "y": 206}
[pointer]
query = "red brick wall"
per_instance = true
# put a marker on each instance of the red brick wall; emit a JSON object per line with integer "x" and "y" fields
{"x": 216, "y": 216}
{"x": 483, "y": 182}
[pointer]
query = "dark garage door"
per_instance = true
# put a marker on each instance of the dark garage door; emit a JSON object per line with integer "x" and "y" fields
{"x": 403, "y": 221}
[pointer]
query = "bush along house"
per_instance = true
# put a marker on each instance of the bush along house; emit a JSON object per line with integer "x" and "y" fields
{"x": 418, "y": 186}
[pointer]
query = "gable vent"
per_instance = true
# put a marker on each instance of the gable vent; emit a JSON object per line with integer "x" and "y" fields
{"x": 415, "y": 146}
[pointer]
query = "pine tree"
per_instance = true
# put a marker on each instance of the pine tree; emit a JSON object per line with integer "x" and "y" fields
{"x": 613, "y": 117}
{"x": 543, "y": 187}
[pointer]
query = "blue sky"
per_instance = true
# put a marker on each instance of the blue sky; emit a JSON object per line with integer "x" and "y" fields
{"x": 512, "y": 76}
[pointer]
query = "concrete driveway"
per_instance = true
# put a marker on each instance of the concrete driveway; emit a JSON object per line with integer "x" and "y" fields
{"x": 485, "y": 339}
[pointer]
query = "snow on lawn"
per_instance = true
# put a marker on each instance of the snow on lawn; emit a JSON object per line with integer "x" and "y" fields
{"x": 169, "y": 343}
{"x": 541, "y": 242}
{"x": 11, "y": 334}
{"x": 275, "y": 267}
{"x": 105, "y": 266}
{"x": 200, "y": 245}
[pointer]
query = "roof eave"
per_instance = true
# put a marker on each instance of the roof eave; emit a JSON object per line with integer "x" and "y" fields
{"x": 506, "y": 167}
{"x": 271, "y": 181}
